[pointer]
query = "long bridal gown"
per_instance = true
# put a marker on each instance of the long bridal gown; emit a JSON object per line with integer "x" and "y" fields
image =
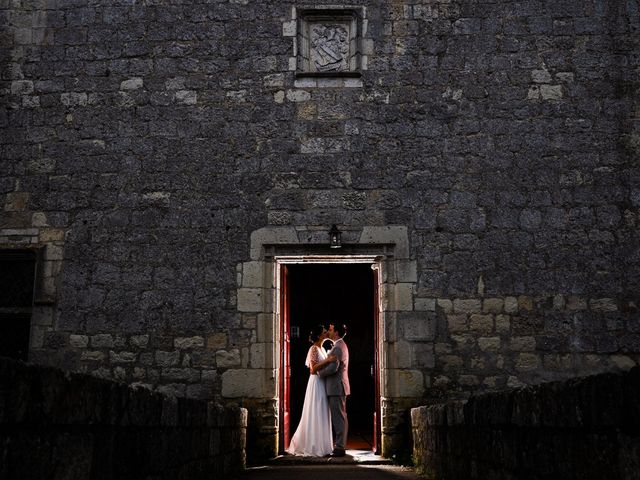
{"x": 313, "y": 436}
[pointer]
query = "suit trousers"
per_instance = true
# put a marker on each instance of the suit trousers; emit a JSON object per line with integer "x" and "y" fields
{"x": 339, "y": 421}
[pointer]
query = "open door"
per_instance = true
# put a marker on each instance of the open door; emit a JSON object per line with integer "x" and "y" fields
{"x": 322, "y": 293}
{"x": 285, "y": 361}
{"x": 375, "y": 368}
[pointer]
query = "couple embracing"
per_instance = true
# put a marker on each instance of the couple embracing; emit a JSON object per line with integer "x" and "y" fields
{"x": 325, "y": 401}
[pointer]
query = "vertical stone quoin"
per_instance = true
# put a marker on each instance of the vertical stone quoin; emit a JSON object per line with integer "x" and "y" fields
{"x": 149, "y": 152}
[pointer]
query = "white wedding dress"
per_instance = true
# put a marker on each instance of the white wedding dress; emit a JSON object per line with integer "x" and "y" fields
{"x": 313, "y": 436}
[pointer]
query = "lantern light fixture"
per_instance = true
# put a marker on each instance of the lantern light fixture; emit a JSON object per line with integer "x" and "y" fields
{"x": 335, "y": 237}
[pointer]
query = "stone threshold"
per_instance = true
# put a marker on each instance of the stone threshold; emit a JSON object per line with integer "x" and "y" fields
{"x": 352, "y": 457}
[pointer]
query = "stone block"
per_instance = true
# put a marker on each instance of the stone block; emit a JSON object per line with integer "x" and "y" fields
{"x": 21, "y": 87}
{"x": 457, "y": 322}
{"x": 74, "y": 99}
{"x": 271, "y": 236}
{"x": 424, "y": 304}
{"x": 186, "y": 97}
{"x": 527, "y": 362}
{"x": 237, "y": 95}
{"x": 78, "y": 341}
{"x": 603, "y": 305}
{"x": 251, "y": 383}
{"x": 54, "y": 252}
{"x": 481, "y": 323}
{"x": 92, "y": 356}
{"x": 217, "y": 341}
{"x": 167, "y": 359}
{"x": 250, "y": 299}
{"x": 289, "y": 29}
{"x": 16, "y": 201}
{"x": 405, "y": 383}
{"x": 525, "y": 303}
{"x": 522, "y": 344}
{"x": 401, "y": 296}
{"x": 503, "y": 324}
{"x": 258, "y": 355}
{"x": 131, "y": 84}
{"x": 400, "y": 354}
{"x": 140, "y": 341}
{"x": 395, "y": 235}
{"x": 298, "y": 95}
{"x": 540, "y": 76}
{"x": 186, "y": 343}
{"x": 489, "y": 344}
{"x": 551, "y": 92}
{"x": 511, "y": 305}
{"x": 492, "y": 305}
{"x": 51, "y": 235}
{"x": 273, "y": 80}
{"x": 227, "y": 359}
{"x": 576, "y": 303}
{"x": 423, "y": 355}
{"x": 122, "y": 357}
{"x": 406, "y": 271}
{"x": 451, "y": 363}
{"x": 252, "y": 274}
{"x": 623, "y": 362}
{"x": 103, "y": 340}
{"x": 190, "y": 375}
{"x": 467, "y": 305}
{"x": 445, "y": 305}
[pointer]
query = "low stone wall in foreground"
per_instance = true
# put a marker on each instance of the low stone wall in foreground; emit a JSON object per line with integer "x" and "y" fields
{"x": 57, "y": 425}
{"x": 585, "y": 428}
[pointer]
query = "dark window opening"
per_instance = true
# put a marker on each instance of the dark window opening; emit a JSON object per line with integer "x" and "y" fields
{"x": 17, "y": 278}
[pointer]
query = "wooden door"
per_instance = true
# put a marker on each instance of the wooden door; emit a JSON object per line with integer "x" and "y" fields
{"x": 285, "y": 363}
{"x": 375, "y": 369}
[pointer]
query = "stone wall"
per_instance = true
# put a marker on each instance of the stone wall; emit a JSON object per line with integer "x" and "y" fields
{"x": 143, "y": 144}
{"x": 69, "y": 426}
{"x": 585, "y": 428}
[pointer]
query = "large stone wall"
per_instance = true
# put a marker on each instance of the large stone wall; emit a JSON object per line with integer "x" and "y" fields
{"x": 65, "y": 426}
{"x": 143, "y": 143}
{"x": 585, "y": 428}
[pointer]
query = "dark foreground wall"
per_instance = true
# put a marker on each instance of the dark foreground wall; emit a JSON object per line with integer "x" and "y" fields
{"x": 586, "y": 428}
{"x": 66, "y": 426}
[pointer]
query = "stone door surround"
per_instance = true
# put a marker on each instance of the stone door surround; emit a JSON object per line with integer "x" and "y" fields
{"x": 258, "y": 294}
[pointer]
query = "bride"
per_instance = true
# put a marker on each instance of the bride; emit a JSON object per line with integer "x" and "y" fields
{"x": 313, "y": 436}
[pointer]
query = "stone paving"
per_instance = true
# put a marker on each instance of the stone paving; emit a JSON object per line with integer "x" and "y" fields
{"x": 317, "y": 472}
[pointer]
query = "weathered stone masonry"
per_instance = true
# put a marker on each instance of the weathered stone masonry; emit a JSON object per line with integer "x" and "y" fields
{"x": 143, "y": 144}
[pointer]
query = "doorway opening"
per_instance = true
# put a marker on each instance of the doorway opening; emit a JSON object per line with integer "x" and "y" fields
{"x": 329, "y": 293}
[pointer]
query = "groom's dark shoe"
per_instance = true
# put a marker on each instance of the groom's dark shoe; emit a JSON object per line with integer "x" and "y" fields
{"x": 338, "y": 452}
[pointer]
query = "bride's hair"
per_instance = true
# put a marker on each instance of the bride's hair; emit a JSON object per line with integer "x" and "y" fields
{"x": 316, "y": 333}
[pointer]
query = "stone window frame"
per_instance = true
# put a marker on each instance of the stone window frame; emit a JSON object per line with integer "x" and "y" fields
{"x": 48, "y": 258}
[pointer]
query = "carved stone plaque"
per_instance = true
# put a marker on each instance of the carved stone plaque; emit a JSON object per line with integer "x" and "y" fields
{"x": 329, "y": 47}
{"x": 328, "y": 42}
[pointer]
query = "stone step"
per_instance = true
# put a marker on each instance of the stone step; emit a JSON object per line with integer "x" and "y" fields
{"x": 352, "y": 457}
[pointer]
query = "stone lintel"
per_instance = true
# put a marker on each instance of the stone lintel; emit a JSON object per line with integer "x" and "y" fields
{"x": 271, "y": 235}
{"x": 396, "y": 235}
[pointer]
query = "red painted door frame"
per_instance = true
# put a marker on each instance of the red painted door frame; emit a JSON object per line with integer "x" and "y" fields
{"x": 377, "y": 445}
{"x": 285, "y": 375}
{"x": 285, "y": 370}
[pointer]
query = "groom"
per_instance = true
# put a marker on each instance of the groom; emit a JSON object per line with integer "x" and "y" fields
{"x": 337, "y": 387}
